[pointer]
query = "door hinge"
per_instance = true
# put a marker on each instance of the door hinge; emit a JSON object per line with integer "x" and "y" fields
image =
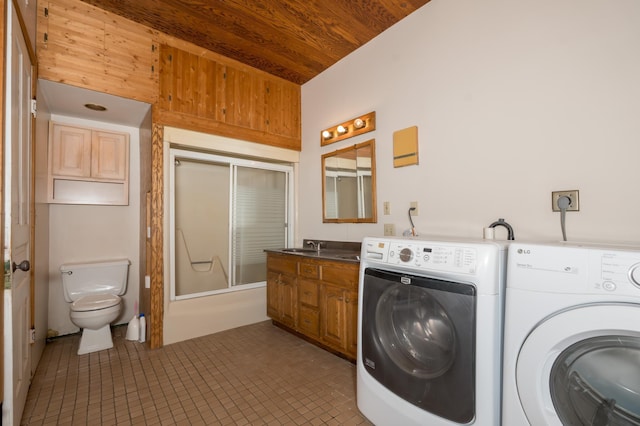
{"x": 33, "y": 108}
{"x": 32, "y": 337}
{"x": 46, "y": 12}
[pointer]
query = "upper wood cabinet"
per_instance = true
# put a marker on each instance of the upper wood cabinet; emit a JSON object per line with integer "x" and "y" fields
{"x": 88, "y": 166}
{"x": 84, "y": 46}
{"x": 232, "y": 100}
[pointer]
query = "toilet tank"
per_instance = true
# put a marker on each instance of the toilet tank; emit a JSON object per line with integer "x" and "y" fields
{"x": 99, "y": 277}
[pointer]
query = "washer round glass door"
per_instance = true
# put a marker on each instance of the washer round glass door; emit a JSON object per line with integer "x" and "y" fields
{"x": 597, "y": 382}
{"x": 582, "y": 367}
{"x": 415, "y": 331}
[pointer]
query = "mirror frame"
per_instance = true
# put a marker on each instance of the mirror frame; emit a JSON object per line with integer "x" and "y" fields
{"x": 374, "y": 217}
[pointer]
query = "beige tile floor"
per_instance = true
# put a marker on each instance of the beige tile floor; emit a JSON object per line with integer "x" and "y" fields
{"x": 253, "y": 375}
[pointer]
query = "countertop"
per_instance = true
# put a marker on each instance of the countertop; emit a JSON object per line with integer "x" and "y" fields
{"x": 330, "y": 250}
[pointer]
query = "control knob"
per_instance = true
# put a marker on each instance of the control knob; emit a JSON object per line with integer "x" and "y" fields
{"x": 406, "y": 255}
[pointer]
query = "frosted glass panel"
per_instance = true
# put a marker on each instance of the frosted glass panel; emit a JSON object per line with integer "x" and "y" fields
{"x": 259, "y": 220}
{"x": 201, "y": 226}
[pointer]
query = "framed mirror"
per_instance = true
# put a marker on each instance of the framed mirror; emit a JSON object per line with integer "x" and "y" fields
{"x": 349, "y": 184}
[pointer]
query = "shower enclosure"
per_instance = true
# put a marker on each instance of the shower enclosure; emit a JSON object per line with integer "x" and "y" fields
{"x": 224, "y": 213}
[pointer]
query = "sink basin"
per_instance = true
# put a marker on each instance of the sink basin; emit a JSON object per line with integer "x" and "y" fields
{"x": 299, "y": 250}
{"x": 350, "y": 257}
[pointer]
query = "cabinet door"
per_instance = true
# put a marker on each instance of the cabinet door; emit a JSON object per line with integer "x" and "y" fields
{"x": 242, "y": 97}
{"x": 332, "y": 322}
{"x": 188, "y": 83}
{"x": 85, "y": 46}
{"x": 283, "y": 108}
{"x": 281, "y": 300}
{"x": 273, "y": 295}
{"x": 288, "y": 302}
{"x": 71, "y": 151}
{"x": 351, "y": 303}
{"x": 109, "y": 154}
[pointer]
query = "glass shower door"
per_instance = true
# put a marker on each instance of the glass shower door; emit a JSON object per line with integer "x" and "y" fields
{"x": 225, "y": 213}
{"x": 259, "y": 221}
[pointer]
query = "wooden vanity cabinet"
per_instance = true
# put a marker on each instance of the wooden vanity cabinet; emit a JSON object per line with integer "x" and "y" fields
{"x": 326, "y": 305}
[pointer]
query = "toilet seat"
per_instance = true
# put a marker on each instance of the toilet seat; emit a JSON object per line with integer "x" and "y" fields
{"x": 95, "y": 302}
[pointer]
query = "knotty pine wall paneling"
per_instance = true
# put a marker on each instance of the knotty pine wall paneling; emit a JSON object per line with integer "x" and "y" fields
{"x": 84, "y": 46}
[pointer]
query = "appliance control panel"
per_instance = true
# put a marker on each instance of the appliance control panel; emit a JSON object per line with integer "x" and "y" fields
{"x": 574, "y": 269}
{"x": 422, "y": 255}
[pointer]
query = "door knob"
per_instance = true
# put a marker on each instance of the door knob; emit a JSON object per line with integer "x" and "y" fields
{"x": 23, "y": 266}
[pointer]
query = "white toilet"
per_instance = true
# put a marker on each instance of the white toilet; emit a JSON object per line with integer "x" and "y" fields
{"x": 94, "y": 289}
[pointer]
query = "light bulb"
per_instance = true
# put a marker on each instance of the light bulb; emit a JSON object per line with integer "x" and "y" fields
{"x": 326, "y": 134}
{"x": 358, "y": 123}
{"x": 342, "y": 130}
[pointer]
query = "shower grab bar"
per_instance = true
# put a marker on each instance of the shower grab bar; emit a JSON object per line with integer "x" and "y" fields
{"x": 200, "y": 262}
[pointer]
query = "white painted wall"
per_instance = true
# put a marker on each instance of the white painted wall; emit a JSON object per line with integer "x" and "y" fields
{"x": 512, "y": 99}
{"x": 82, "y": 233}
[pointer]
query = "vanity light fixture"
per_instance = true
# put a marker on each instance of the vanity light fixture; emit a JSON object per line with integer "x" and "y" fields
{"x": 356, "y": 126}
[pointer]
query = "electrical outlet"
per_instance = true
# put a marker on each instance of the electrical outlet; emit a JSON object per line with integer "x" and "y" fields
{"x": 414, "y": 205}
{"x": 574, "y": 205}
{"x": 387, "y": 208}
{"x": 389, "y": 230}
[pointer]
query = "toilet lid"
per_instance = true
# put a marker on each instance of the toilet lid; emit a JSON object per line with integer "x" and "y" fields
{"x": 93, "y": 302}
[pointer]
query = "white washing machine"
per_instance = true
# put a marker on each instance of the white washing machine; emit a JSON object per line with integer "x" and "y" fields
{"x": 572, "y": 335}
{"x": 430, "y": 331}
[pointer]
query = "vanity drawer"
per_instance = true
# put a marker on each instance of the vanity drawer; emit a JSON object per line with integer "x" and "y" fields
{"x": 309, "y": 321}
{"x": 281, "y": 263}
{"x": 309, "y": 270}
{"x": 342, "y": 274}
{"x": 308, "y": 292}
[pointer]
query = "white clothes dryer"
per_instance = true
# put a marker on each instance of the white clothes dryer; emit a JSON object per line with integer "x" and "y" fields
{"x": 430, "y": 331}
{"x": 572, "y": 335}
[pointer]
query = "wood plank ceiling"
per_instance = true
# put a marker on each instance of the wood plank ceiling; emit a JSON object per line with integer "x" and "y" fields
{"x": 292, "y": 39}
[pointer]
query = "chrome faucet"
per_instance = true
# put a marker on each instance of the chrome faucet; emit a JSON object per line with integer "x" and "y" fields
{"x": 315, "y": 245}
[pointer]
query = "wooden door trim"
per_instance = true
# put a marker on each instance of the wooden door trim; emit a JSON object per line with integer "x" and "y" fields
{"x": 156, "y": 326}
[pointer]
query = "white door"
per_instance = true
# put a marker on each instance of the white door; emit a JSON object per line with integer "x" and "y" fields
{"x": 581, "y": 367}
{"x": 17, "y": 223}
